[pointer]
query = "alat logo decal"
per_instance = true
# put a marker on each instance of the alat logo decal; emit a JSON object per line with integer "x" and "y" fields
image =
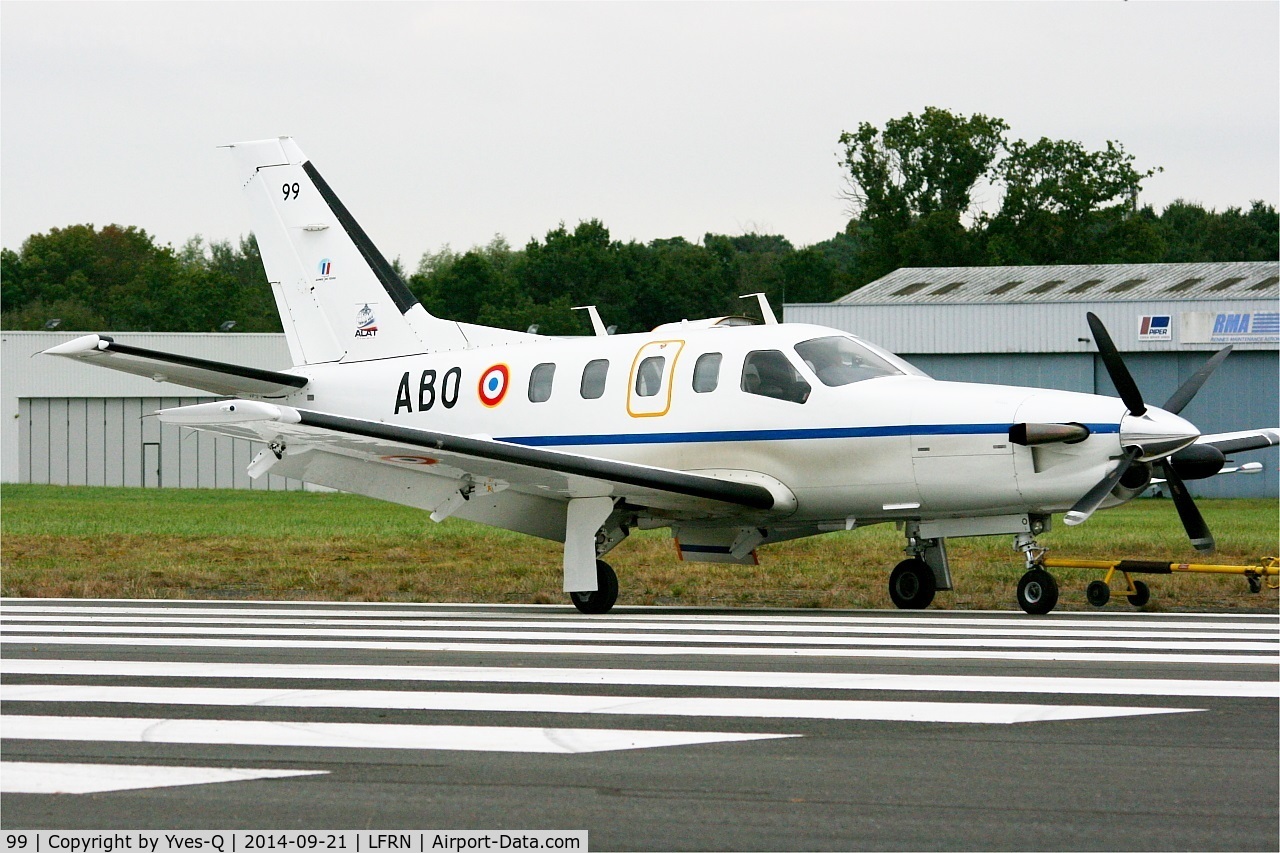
{"x": 366, "y": 322}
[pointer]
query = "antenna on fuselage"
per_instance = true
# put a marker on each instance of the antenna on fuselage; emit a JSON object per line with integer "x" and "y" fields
{"x": 765, "y": 311}
{"x": 596, "y": 323}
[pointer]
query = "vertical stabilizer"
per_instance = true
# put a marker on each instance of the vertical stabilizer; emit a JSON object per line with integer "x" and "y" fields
{"x": 339, "y": 298}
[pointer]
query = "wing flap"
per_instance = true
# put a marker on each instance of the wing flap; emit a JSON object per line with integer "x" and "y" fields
{"x": 214, "y": 376}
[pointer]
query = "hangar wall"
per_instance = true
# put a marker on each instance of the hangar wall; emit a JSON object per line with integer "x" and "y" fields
{"x": 74, "y": 424}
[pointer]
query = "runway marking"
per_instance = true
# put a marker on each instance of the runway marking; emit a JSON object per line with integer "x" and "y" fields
{"x": 47, "y": 777}
{"x": 937, "y": 653}
{"x": 650, "y": 678}
{"x": 357, "y": 735}
{"x": 300, "y": 625}
{"x": 1073, "y": 642}
{"x": 554, "y": 616}
{"x": 658, "y": 612}
{"x": 553, "y": 703}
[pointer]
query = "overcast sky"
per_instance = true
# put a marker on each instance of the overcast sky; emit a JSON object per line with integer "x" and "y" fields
{"x": 443, "y": 123}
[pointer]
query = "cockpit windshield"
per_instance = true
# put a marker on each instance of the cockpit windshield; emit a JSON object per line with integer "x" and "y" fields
{"x": 838, "y": 360}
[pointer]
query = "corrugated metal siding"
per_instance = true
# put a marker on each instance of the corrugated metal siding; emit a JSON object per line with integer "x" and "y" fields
{"x": 90, "y": 426}
{"x": 112, "y": 442}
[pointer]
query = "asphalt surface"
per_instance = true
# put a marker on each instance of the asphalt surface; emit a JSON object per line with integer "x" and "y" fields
{"x": 652, "y": 728}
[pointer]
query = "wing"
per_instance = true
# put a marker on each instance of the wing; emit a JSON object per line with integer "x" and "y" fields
{"x": 1238, "y": 442}
{"x": 496, "y": 482}
{"x": 213, "y": 376}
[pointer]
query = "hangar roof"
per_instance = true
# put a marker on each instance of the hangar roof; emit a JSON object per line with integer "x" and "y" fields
{"x": 1071, "y": 283}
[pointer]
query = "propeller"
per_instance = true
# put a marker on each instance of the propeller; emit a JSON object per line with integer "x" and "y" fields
{"x": 1192, "y": 521}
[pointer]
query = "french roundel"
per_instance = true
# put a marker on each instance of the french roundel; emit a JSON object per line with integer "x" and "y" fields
{"x": 493, "y": 385}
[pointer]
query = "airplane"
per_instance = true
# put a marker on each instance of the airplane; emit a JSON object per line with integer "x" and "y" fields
{"x": 733, "y": 434}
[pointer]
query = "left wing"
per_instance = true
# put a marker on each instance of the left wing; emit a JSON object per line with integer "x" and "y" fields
{"x": 470, "y": 462}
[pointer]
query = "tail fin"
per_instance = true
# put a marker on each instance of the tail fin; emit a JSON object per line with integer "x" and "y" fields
{"x": 339, "y": 298}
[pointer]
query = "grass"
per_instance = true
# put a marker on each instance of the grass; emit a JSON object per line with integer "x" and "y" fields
{"x": 170, "y": 543}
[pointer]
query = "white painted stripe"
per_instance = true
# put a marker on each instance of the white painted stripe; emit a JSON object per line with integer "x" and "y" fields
{"x": 649, "y": 678}
{"x": 36, "y": 640}
{"x": 303, "y": 625}
{"x": 554, "y": 615}
{"x": 653, "y": 637}
{"x": 628, "y": 610}
{"x": 355, "y": 735}
{"x": 554, "y": 703}
{"x": 31, "y": 777}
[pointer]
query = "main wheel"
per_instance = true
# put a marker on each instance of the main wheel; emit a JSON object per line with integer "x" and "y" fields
{"x": 1141, "y": 594}
{"x": 911, "y": 586}
{"x": 605, "y": 594}
{"x": 1098, "y": 593}
{"x": 1037, "y": 592}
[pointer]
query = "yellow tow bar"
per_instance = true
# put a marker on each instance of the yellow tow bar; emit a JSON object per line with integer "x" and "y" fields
{"x": 1138, "y": 593}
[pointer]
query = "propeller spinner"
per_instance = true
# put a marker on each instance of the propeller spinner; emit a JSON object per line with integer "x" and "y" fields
{"x": 1148, "y": 434}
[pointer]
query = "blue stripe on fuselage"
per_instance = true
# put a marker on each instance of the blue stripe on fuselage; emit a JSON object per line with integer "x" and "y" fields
{"x": 775, "y": 434}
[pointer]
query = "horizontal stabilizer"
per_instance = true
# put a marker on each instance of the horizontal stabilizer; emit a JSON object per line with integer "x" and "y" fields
{"x": 213, "y": 376}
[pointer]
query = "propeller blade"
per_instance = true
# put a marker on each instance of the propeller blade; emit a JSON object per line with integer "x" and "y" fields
{"x": 1093, "y": 498}
{"x": 1116, "y": 369}
{"x": 1192, "y": 520}
{"x": 1183, "y": 395}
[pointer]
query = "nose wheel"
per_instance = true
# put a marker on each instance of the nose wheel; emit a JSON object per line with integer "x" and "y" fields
{"x": 1037, "y": 592}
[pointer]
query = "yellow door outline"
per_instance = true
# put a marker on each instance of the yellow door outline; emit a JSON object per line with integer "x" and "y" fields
{"x": 659, "y": 404}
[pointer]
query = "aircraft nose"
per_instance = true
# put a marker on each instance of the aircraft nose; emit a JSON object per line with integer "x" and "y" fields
{"x": 1157, "y": 432}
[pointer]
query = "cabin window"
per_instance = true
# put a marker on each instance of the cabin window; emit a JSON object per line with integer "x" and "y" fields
{"x": 769, "y": 373}
{"x": 838, "y": 360}
{"x": 649, "y": 375}
{"x": 706, "y": 372}
{"x": 593, "y": 377}
{"x": 540, "y": 381}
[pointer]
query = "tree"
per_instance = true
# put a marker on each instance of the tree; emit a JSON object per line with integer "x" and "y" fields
{"x": 920, "y": 169}
{"x": 1064, "y": 204}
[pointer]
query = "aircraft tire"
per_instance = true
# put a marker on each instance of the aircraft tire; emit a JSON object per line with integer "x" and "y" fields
{"x": 912, "y": 585}
{"x": 604, "y": 597}
{"x": 1098, "y": 593}
{"x": 1141, "y": 594}
{"x": 1037, "y": 592}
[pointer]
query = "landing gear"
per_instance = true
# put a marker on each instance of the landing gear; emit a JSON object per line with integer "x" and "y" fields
{"x": 602, "y": 599}
{"x": 1037, "y": 592}
{"x": 912, "y": 585}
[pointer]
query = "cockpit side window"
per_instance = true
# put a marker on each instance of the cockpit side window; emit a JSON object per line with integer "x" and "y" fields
{"x": 770, "y": 374}
{"x": 838, "y": 360}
